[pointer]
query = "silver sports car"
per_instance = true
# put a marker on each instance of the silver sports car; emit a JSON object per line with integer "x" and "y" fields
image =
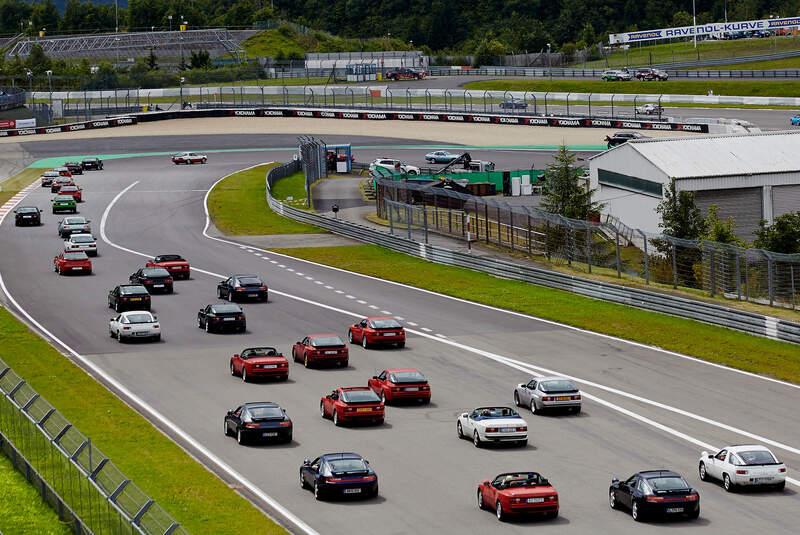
{"x": 548, "y": 393}
{"x": 134, "y": 324}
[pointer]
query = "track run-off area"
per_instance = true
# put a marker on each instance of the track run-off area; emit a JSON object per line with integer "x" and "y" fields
{"x": 644, "y": 408}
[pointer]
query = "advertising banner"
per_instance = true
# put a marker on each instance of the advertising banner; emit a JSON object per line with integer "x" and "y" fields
{"x": 713, "y": 28}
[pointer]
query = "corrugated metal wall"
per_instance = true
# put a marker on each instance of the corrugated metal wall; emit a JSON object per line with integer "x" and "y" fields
{"x": 785, "y": 199}
{"x": 743, "y": 204}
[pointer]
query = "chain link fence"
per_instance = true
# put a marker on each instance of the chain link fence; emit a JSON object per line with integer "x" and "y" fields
{"x": 605, "y": 246}
{"x": 82, "y": 484}
{"x": 313, "y": 158}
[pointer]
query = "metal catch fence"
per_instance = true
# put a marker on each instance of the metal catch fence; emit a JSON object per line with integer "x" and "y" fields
{"x": 313, "y": 158}
{"x": 82, "y": 484}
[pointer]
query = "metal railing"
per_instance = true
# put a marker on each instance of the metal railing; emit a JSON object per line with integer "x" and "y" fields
{"x": 85, "y": 487}
{"x": 749, "y": 322}
{"x": 562, "y": 72}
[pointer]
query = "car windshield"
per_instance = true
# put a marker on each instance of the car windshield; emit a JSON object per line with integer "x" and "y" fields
{"x": 249, "y": 281}
{"x": 75, "y": 256}
{"x": 132, "y": 289}
{"x": 82, "y": 239}
{"x": 522, "y": 479}
{"x": 140, "y": 318}
{"x": 344, "y": 466}
{"x": 560, "y": 385}
{"x": 359, "y": 396}
{"x": 226, "y": 308}
{"x": 385, "y": 324}
{"x": 169, "y": 258}
{"x": 755, "y": 457}
{"x": 155, "y": 272}
{"x": 667, "y": 483}
{"x": 497, "y": 412}
{"x": 73, "y": 220}
{"x": 265, "y": 413}
{"x": 326, "y": 341}
{"x": 260, "y": 352}
{"x": 69, "y": 188}
{"x": 407, "y": 377}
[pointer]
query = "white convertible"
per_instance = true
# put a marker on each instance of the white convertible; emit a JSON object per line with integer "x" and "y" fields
{"x": 492, "y": 424}
{"x": 81, "y": 242}
{"x": 743, "y": 466}
{"x": 134, "y": 324}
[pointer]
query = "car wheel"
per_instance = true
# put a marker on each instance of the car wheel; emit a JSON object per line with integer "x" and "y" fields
{"x": 401, "y": 345}
{"x": 208, "y": 327}
{"x": 219, "y": 293}
{"x": 225, "y": 428}
{"x": 459, "y": 430}
{"x": 727, "y": 483}
{"x": 480, "y": 500}
{"x": 322, "y": 410}
{"x": 199, "y": 324}
{"x": 364, "y": 343}
{"x": 432, "y": 160}
{"x": 230, "y": 296}
{"x": 780, "y": 486}
{"x": 294, "y": 355}
{"x": 117, "y": 307}
{"x": 577, "y": 410}
{"x": 317, "y": 491}
{"x": 612, "y": 500}
{"x": 636, "y": 513}
{"x": 157, "y": 338}
{"x": 336, "y": 418}
{"x": 694, "y": 515}
{"x": 523, "y": 443}
{"x": 350, "y": 336}
{"x": 119, "y": 337}
{"x": 233, "y": 371}
{"x": 498, "y": 509}
{"x": 244, "y": 374}
{"x": 204, "y": 161}
{"x": 516, "y": 399}
{"x": 702, "y": 470}
{"x": 383, "y": 396}
{"x": 551, "y": 514}
{"x": 476, "y": 439}
{"x": 305, "y": 361}
{"x": 534, "y": 408}
{"x": 239, "y": 436}
{"x": 302, "y": 482}
{"x": 110, "y": 332}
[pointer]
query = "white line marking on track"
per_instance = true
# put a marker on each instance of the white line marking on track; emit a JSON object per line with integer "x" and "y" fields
{"x": 309, "y": 278}
{"x": 273, "y": 261}
{"x": 399, "y": 318}
{"x": 328, "y": 287}
{"x": 281, "y": 266}
{"x": 427, "y": 330}
{"x": 301, "y": 274}
{"x": 289, "y": 269}
{"x": 339, "y": 292}
{"x": 373, "y": 307}
{"x": 440, "y": 335}
{"x": 412, "y": 323}
{"x": 386, "y": 313}
{"x": 349, "y": 296}
{"x": 317, "y": 282}
{"x": 361, "y": 302}
{"x": 257, "y": 254}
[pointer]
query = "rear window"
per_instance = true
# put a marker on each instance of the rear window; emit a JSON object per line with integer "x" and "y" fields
{"x": 169, "y": 258}
{"x": 757, "y": 457}
{"x": 250, "y": 281}
{"x": 155, "y": 272}
{"x": 560, "y": 385}
{"x": 65, "y": 198}
{"x": 667, "y": 483}
{"x": 226, "y": 308}
{"x": 359, "y": 396}
{"x": 133, "y": 289}
{"x": 75, "y": 256}
{"x": 72, "y": 220}
{"x": 82, "y": 239}
{"x": 343, "y": 466}
{"x": 69, "y": 188}
{"x": 407, "y": 377}
{"x": 27, "y": 210}
{"x": 140, "y": 318}
{"x": 326, "y": 341}
{"x": 385, "y": 324}
{"x": 263, "y": 413}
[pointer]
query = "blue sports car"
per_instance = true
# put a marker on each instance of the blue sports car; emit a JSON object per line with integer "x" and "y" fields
{"x": 795, "y": 120}
{"x": 441, "y": 156}
{"x": 339, "y": 474}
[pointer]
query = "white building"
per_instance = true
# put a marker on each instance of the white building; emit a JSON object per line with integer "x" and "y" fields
{"x": 750, "y": 177}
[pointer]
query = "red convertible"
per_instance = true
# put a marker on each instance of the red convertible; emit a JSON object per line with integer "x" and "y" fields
{"x": 189, "y": 157}
{"x": 259, "y": 362}
{"x": 377, "y": 330}
{"x": 174, "y": 263}
{"x": 76, "y": 262}
{"x": 518, "y": 492}
{"x": 76, "y": 192}
{"x": 320, "y": 349}
{"x": 401, "y": 383}
{"x": 352, "y": 404}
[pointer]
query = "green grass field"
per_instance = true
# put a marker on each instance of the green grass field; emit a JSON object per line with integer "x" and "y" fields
{"x": 22, "y": 511}
{"x": 17, "y": 182}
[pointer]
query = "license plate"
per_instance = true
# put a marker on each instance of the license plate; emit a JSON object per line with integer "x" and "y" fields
{"x": 331, "y": 352}
{"x": 26, "y": 217}
{"x": 364, "y": 410}
{"x": 269, "y": 434}
{"x": 142, "y": 334}
{"x": 675, "y": 509}
{"x": 252, "y": 295}
{"x": 228, "y": 319}
{"x": 136, "y": 298}
{"x": 756, "y": 480}
{"x": 352, "y": 491}
{"x": 158, "y": 286}
{"x": 535, "y": 500}
{"x": 77, "y": 268}
{"x": 563, "y": 398}
{"x": 388, "y": 334}
{"x": 412, "y": 389}
{"x": 507, "y": 430}
{"x": 269, "y": 366}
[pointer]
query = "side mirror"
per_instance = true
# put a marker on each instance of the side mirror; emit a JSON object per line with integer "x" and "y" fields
{"x": 374, "y": 376}
{"x": 486, "y": 482}
{"x": 155, "y": 318}
{"x": 306, "y": 462}
{"x": 614, "y": 481}
{"x": 111, "y": 319}
{"x": 464, "y": 415}
{"x": 88, "y": 220}
{"x": 236, "y": 355}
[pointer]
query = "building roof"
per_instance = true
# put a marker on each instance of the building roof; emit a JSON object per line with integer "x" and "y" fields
{"x": 725, "y": 155}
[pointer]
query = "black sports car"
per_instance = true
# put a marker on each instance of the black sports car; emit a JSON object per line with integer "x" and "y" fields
{"x": 155, "y": 279}
{"x": 263, "y": 420}
{"x": 92, "y": 163}
{"x": 74, "y": 167}
{"x": 222, "y": 316}
{"x": 339, "y": 474}
{"x": 654, "y": 493}
{"x": 27, "y": 215}
{"x": 622, "y": 137}
{"x": 129, "y": 297}
{"x": 238, "y": 287}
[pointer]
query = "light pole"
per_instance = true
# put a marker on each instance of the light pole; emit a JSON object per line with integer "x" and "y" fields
{"x": 116, "y": 17}
{"x": 549, "y": 63}
{"x": 182, "y": 80}
{"x": 116, "y": 47}
{"x": 50, "y": 79}
{"x": 170, "y": 22}
{"x": 694, "y": 21}
{"x": 29, "y": 74}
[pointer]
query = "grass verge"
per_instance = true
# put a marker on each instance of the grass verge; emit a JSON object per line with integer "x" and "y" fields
{"x": 22, "y": 510}
{"x": 243, "y": 194}
{"x": 195, "y": 497}
{"x": 12, "y": 185}
{"x": 715, "y": 344}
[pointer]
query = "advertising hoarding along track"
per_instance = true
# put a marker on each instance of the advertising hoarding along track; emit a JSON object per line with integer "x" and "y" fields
{"x": 712, "y": 28}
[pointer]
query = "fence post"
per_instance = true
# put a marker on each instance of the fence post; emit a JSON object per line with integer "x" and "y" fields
{"x": 791, "y": 277}
{"x": 619, "y": 271}
{"x": 646, "y": 259}
{"x": 770, "y": 284}
{"x": 511, "y": 227}
{"x": 529, "y": 231}
{"x": 499, "y": 236}
{"x": 738, "y": 278}
{"x": 425, "y": 222}
{"x": 712, "y": 274}
{"x": 674, "y": 266}
{"x": 408, "y": 219}
{"x": 589, "y": 248}
{"x": 391, "y": 219}
{"x": 486, "y": 217}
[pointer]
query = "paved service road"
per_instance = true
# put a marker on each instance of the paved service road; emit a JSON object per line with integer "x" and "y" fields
{"x": 473, "y": 355}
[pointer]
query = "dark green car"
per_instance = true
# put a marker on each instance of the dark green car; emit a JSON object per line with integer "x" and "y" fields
{"x": 64, "y": 203}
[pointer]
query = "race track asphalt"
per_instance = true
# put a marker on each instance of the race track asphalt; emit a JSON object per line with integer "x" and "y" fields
{"x": 643, "y": 408}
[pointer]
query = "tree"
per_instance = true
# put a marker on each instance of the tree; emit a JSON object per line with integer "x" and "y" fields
{"x": 681, "y": 18}
{"x": 720, "y": 231}
{"x": 563, "y": 193}
{"x": 152, "y": 61}
{"x": 200, "y": 60}
{"x": 782, "y": 236}
{"x": 37, "y": 61}
{"x": 680, "y": 218}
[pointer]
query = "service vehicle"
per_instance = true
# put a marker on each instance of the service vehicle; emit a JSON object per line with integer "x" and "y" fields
{"x": 516, "y": 493}
{"x": 492, "y": 424}
{"x": 75, "y": 263}
{"x": 543, "y": 393}
{"x": 649, "y": 73}
{"x": 795, "y": 120}
{"x": 64, "y": 203}
{"x": 48, "y": 177}
{"x": 27, "y": 215}
{"x": 616, "y": 75}
{"x": 352, "y": 404}
{"x": 129, "y": 297}
{"x": 393, "y": 166}
{"x": 189, "y": 158}
{"x": 74, "y": 167}
{"x": 650, "y": 109}
{"x": 240, "y": 287}
{"x": 654, "y": 493}
{"x": 379, "y": 330}
{"x": 60, "y": 181}
{"x": 743, "y": 466}
{"x": 81, "y": 242}
{"x": 405, "y": 74}
{"x": 177, "y": 266}
{"x": 63, "y": 171}
{"x": 92, "y": 163}
{"x": 339, "y": 474}
{"x": 258, "y": 421}
{"x": 321, "y": 349}
{"x": 76, "y": 192}
{"x": 134, "y": 324}
{"x": 155, "y": 279}
{"x": 222, "y": 317}
{"x": 400, "y": 384}
{"x": 513, "y": 104}
{"x": 73, "y": 225}
{"x": 255, "y": 362}
{"x": 623, "y": 137}
{"x": 441, "y": 156}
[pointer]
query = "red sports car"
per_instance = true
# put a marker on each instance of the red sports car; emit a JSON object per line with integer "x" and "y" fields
{"x": 352, "y": 404}
{"x": 76, "y": 262}
{"x": 401, "y": 383}
{"x": 177, "y": 266}
{"x": 75, "y": 191}
{"x": 320, "y": 349}
{"x": 189, "y": 157}
{"x": 518, "y": 492}
{"x": 63, "y": 171}
{"x": 377, "y": 331}
{"x": 259, "y": 362}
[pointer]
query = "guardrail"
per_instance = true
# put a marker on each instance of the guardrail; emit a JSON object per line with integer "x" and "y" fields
{"x": 674, "y": 70}
{"x": 749, "y": 322}
{"x": 83, "y": 485}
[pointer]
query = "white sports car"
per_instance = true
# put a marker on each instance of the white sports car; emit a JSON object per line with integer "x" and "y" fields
{"x": 134, "y": 324}
{"x": 743, "y": 466}
{"x": 492, "y": 424}
{"x": 81, "y": 242}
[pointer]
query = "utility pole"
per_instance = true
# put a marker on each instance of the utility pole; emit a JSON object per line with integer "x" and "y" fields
{"x": 116, "y": 16}
{"x": 549, "y": 63}
{"x": 694, "y": 21}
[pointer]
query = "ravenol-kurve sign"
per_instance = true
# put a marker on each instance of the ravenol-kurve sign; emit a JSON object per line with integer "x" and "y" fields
{"x": 704, "y": 29}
